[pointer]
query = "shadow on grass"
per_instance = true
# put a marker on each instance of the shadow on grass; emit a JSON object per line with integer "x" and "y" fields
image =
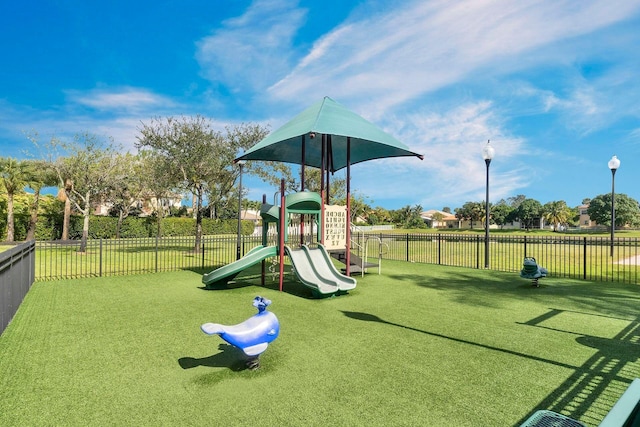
{"x": 593, "y": 387}
{"x": 252, "y": 276}
{"x": 590, "y": 391}
{"x": 230, "y": 357}
{"x": 470, "y": 287}
{"x": 373, "y": 318}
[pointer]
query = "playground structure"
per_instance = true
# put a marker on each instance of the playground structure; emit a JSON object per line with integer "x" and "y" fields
{"x": 312, "y": 265}
{"x": 329, "y": 137}
{"x": 251, "y": 336}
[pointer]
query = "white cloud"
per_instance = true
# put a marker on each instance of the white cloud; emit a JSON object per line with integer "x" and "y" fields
{"x": 253, "y": 50}
{"x": 119, "y": 99}
{"x": 395, "y": 56}
{"x": 453, "y": 170}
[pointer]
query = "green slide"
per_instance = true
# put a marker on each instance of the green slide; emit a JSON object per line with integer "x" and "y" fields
{"x": 225, "y": 273}
{"x": 315, "y": 270}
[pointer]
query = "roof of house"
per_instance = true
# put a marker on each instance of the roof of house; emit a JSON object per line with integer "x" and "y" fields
{"x": 428, "y": 215}
{"x": 251, "y": 215}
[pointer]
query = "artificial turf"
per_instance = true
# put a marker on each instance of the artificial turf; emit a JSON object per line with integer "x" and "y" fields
{"x": 418, "y": 345}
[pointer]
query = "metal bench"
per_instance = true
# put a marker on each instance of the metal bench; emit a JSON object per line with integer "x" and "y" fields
{"x": 544, "y": 418}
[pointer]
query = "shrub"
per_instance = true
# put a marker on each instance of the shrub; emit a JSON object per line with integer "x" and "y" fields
{"x": 49, "y": 227}
{"x": 133, "y": 226}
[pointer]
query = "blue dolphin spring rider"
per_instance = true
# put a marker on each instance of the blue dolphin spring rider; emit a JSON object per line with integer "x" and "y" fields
{"x": 251, "y": 336}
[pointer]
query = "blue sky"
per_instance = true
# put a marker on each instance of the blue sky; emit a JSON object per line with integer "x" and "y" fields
{"x": 555, "y": 85}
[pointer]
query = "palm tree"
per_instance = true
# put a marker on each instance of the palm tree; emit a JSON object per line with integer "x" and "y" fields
{"x": 13, "y": 174}
{"x": 556, "y": 213}
{"x": 40, "y": 175}
{"x": 62, "y": 196}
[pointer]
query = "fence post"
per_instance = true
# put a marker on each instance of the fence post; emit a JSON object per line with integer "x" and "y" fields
{"x": 407, "y": 247}
{"x": 477, "y": 252}
{"x": 525, "y": 246}
{"x": 203, "y": 251}
{"x": 156, "y": 253}
{"x": 584, "y": 259}
{"x": 439, "y": 248}
{"x": 100, "y": 258}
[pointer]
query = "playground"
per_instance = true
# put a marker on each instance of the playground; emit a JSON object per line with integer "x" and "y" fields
{"x": 418, "y": 345}
{"x": 312, "y": 265}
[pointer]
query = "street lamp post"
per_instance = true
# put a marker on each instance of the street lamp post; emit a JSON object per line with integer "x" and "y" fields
{"x": 240, "y": 164}
{"x": 614, "y": 164}
{"x": 487, "y": 155}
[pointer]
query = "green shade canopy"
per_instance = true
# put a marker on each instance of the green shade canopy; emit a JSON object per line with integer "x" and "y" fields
{"x": 329, "y": 118}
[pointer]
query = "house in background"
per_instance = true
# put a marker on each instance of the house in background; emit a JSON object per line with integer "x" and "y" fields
{"x": 585, "y": 219}
{"x": 147, "y": 205}
{"x": 251, "y": 215}
{"x": 440, "y": 219}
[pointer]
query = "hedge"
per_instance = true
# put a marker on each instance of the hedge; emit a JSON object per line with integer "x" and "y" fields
{"x": 49, "y": 227}
{"x": 105, "y": 227}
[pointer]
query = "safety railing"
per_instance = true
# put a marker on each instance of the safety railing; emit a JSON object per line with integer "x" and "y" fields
{"x": 577, "y": 257}
{"x": 17, "y": 272}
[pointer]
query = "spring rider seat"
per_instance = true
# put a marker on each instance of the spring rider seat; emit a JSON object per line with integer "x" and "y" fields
{"x": 251, "y": 336}
{"x": 531, "y": 270}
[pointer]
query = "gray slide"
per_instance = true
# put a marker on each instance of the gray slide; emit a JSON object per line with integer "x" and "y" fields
{"x": 315, "y": 270}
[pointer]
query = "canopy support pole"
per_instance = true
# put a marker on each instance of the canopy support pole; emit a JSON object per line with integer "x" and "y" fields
{"x": 302, "y": 189}
{"x": 264, "y": 243}
{"x": 329, "y": 167}
{"x": 283, "y": 224}
{"x": 348, "y": 254}
{"x": 323, "y": 159}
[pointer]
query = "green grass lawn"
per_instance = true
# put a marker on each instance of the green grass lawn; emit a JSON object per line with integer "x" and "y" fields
{"x": 419, "y": 345}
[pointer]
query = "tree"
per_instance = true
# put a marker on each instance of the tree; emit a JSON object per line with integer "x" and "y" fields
{"x": 500, "y": 213}
{"x": 187, "y": 146}
{"x": 360, "y": 207}
{"x": 514, "y": 202}
{"x": 198, "y": 158}
{"x": 14, "y": 175}
{"x": 574, "y": 217}
{"x": 85, "y": 173}
{"x": 627, "y": 210}
{"x": 157, "y": 182}
{"x": 40, "y": 175}
{"x": 470, "y": 211}
{"x": 409, "y": 217}
{"x": 528, "y": 211}
{"x": 220, "y": 187}
{"x": 556, "y": 213}
{"x": 50, "y": 152}
{"x": 437, "y": 217}
{"x": 126, "y": 186}
{"x": 62, "y": 196}
{"x": 382, "y": 215}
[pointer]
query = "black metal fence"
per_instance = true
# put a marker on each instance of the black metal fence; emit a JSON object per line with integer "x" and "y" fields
{"x": 576, "y": 257}
{"x": 17, "y": 274}
{"x": 62, "y": 259}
